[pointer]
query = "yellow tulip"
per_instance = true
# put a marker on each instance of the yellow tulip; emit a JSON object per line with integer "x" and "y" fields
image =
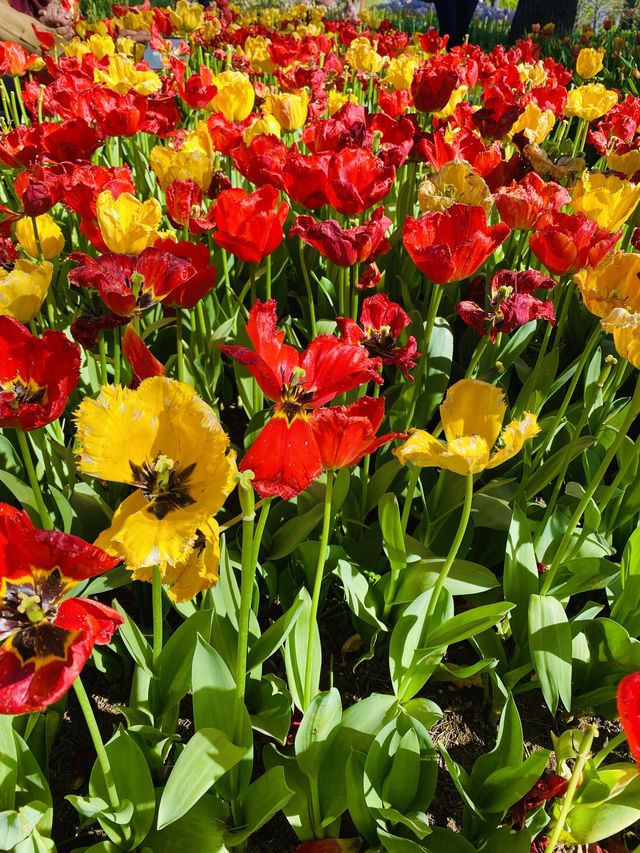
{"x": 456, "y": 182}
{"x": 187, "y": 17}
{"x": 122, "y": 76}
{"x": 400, "y": 72}
{"x": 457, "y": 96}
{"x": 290, "y": 110}
{"x": 472, "y": 414}
{"x": 23, "y": 289}
{"x": 536, "y": 124}
{"x": 49, "y": 234}
{"x": 235, "y": 96}
{"x": 128, "y": 225}
{"x": 338, "y": 100}
{"x": 100, "y": 46}
{"x": 589, "y": 62}
{"x": 362, "y": 56}
{"x": 606, "y": 199}
{"x": 192, "y": 160}
{"x": 267, "y": 126}
{"x": 628, "y": 164}
{"x": 256, "y": 49}
{"x": 612, "y": 284}
{"x": 590, "y": 101}
{"x": 625, "y": 327}
{"x": 536, "y": 73}
{"x": 168, "y": 444}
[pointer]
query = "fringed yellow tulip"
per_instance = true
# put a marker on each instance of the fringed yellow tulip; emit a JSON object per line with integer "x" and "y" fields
{"x": 628, "y": 163}
{"x": 256, "y": 49}
{"x": 614, "y": 283}
{"x": 99, "y": 46}
{"x": 190, "y": 159}
{"x": 400, "y": 72}
{"x": 536, "y": 124}
{"x": 289, "y": 109}
{"x": 265, "y": 126}
{"x": 362, "y": 56}
{"x": 590, "y": 101}
{"x": 456, "y": 182}
{"x": 625, "y": 327}
{"x": 606, "y": 199}
{"x": 163, "y": 440}
{"x": 235, "y": 96}
{"x": 589, "y": 62}
{"x": 187, "y": 17}
{"x": 472, "y": 414}
{"x": 49, "y": 234}
{"x": 127, "y": 224}
{"x": 23, "y": 289}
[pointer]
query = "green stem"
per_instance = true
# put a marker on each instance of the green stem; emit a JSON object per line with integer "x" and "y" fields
{"x": 117, "y": 358}
{"x": 36, "y": 237}
{"x": 455, "y": 547}
{"x": 179, "y": 347}
{"x": 156, "y": 603}
{"x": 477, "y": 355}
{"x": 94, "y": 731}
{"x": 307, "y": 284}
{"x": 406, "y": 510}
{"x": 45, "y": 518}
{"x": 634, "y": 410}
{"x": 584, "y": 754}
{"x": 247, "y": 578}
{"x": 102, "y": 350}
{"x": 434, "y": 304}
{"x": 317, "y": 586}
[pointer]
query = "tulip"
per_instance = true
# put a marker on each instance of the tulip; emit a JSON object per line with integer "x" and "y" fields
{"x": 590, "y": 101}
{"x": 629, "y": 710}
{"x": 126, "y": 224}
{"x": 606, "y": 199}
{"x": 23, "y": 289}
{"x": 589, "y": 62}
{"x": 49, "y": 236}
{"x": 456, "y": 182}
{"x": 235, "y": 96}
{"x": 122, "y": 75}
{"x": 191, "y": 158}
{"x": 289, "y": 109}
{"x": 249, "y": 225}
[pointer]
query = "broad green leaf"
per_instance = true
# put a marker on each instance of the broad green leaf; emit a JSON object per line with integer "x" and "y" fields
{"x": 295, "y": 531}
{"x": 551, "y": 649}
{"x": 588, "y": 825}
{"x": 295, "y": 652}
{"x": 273, "y": 637}
{"x": 360, "y": 813}
{"x": 318, "y": 728}
{"x": 200, "y": 830}
{"x": 206, "y": 757}
{"x": 359, "y": 594}
{"x": 8, "y": 765}
{"x": 442, "y": 840}
{"x": 467, "y": 624}
{"x": 520, "y": 573}
{"x": 506, "y": 785}
{"x": 506, "y": 753}
{"x": 400, "y": 785}
{"x": 259, "y": 803}
{"x": 176, "y": 659}
{"x": 392, "y": 535}
{"x": 134, "y": 640}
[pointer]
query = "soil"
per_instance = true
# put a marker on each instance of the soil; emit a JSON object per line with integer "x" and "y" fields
{"x": 466, "y": 729}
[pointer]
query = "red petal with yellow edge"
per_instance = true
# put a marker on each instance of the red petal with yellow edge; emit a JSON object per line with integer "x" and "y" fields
{"x": 284, "y": 458}
{"x": 629, "y": 710}
{"x": 330, "y": 845}
{"x": 25, "y": 688}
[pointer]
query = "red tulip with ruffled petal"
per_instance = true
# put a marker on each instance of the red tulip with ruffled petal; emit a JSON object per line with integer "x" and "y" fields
{"x": 523, "y": 202}
{"x": 263, "y": 161}
{"x": 346, "y": 129}
{"x": 36, "y": 375}
{"x": 356, "y": 180}
{"x": 47, "y": 636}
{"x": 566, "y": 243}
{"x": 249, "y": 225}
{"x": 345, "y": 434}
{"x": 15, "y": 61}
{"x": 512, "y": 302}
{"x": 176, "y": 274}
{"x": 184, "y": 207}
{"x": 432, "y": 86}
{"x": 345, "y": 246}
{"x": 285, "y": 457}
{"x": 629, "y": 710}
{"x": 452, "y": 245}
{"x": 381, "y": 324}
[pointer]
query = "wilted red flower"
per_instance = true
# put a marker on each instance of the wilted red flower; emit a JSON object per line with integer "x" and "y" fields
{"x": 86, "y": 328}
{"x": 345, "y": 246}
{"x": 176, "y": 274}
{"x": 511, "y": 302}
{"x": 36, "y": 375}
{"x": 546, "y": 788}
{"x": 432, "y": 86}
{"x": 39, "y": 188}
{"x": 521, "y": 203}
{"x": 397, "y": 137}
{"x": 381, "y": 324}
{"x": 47, "y": 636}
{"x": 357, "y": 180}
{"x": 452, "y": 245}
{"x": 566, "y": 243}
{"x": 345, "y": 434}
{"x": 143, "y": 363}
{"x": 496, "y": 118}
{"x": 20, "y": 146}
{"x": 629, "y": 710}
{"x": 284, "y": 457}
{"x": 184, "y": 207}
{"x": 249, "y": 225}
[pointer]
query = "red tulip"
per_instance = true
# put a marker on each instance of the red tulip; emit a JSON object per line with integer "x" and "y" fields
{"x": 521, "y": 203}
{"x": 546, "y": 788}
{"x": 357, "y": 180}
{"x": 48, "y": 637}
{"x": 629, "y": 710}
{"x": 14, "y": 59}
{"x": 263, "y": 161}
{"x": 285, "y": 457}
{"x": 566, "y": 243}
{"x": 381, "y": 324}
{"x": 249, "y": 225}
{"x": 184, "y": 207}
{"x": 345, "y": 246}
{"x": 345, "y": 434}
{"x": 143, "y": 363}
{"x": 432, "y": 86}
{"x": 36, "y": 375}
{"x": 452, "y": 245}
{"x": 346, "y": 129}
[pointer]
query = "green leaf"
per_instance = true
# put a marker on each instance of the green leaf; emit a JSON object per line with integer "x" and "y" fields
{"x": 468, "y": 624}
{"x": 273, "y": 637}
{"x": 8, "y": 765}
{"x": 174, "y": 681}
{"x": 630, "y": 564}
{"x": 551, "y": 652}
{"x": 506, "y": 753}
{"x": 259, "y": 803}
{"x": 271, "y": 708}
{"x": 520, "y": 573}
{"x": 295, "y": 653}
{"x": 360, "y": 813}
{"x": 206, "y": 757}
{"x": 360, "y": 596}
{"x": 507, "y": 785}
{"x": 318, "y": 728}
{"x": 200, "y": 830}
{"x": 442, "y": 840}
{"x": 134, "y": 640}
{"x": 133, "y": 782}
{"x": 400, "y": 785}
{"x": 590, "y": 824}
{"x": 464, "y": 578}
{"x": 295, "y": 531}
{"x": 380, "y": 481}
{"x": 19, "y": 490}
{"x": 392, "y": 535}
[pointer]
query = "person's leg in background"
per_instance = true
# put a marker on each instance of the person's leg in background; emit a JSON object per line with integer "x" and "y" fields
{"x": 446, "y": 10}
{"x": 463, "y": 15}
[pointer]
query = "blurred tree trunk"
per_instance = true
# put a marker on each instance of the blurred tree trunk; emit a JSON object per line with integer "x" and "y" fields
{"x": 562, "y": 13}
